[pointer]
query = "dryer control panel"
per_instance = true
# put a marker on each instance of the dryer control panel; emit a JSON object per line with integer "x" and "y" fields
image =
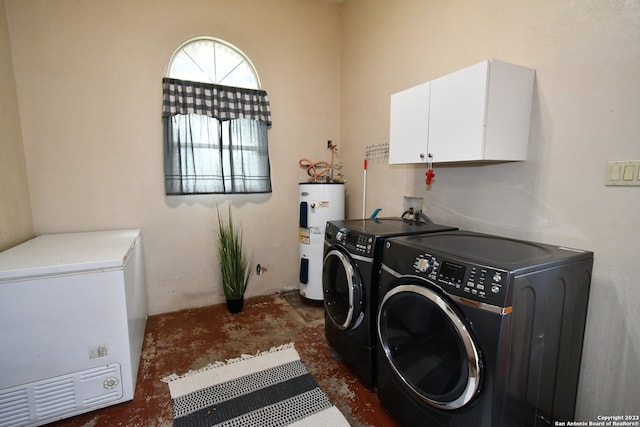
{"x": 355, "y": 243}
{"x": 476, "y": 282}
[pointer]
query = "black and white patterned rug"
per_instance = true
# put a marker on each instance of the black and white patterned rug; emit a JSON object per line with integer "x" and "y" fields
{"x": 271, "y": 388}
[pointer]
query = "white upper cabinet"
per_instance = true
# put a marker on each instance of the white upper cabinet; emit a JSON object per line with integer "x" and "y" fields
{"x": 481, "y": 112}
{"x": 409, "y": 127}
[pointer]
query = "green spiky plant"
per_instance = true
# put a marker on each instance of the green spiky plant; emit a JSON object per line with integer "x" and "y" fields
{"x": 236, "y": 268}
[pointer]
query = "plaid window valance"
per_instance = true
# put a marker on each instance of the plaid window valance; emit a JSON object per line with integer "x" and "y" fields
{"x": 216, "y": 101}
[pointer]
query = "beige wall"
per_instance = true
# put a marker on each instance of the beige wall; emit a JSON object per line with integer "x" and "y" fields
{"x": 15, "y": 207}
{"x": 88, "y": 77}
{"x": 586, "y": 108}
{"x": 88, "y": 84}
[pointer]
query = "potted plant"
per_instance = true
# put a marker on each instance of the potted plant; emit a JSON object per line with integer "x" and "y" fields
{"x": 235, "y": 267}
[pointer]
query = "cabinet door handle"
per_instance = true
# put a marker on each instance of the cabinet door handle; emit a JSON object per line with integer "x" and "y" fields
{"x": 422, "y": 156}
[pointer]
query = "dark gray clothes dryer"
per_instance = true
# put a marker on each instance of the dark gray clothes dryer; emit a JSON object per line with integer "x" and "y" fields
{"x": 350, "y": 271}
{"x": 480, "y": 330}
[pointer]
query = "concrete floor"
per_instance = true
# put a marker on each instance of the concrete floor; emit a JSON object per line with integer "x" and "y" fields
{"x": 190, "y": 339}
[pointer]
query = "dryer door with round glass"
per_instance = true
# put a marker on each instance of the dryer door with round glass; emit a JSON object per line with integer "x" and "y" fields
{"x": 429, "y": 346}
{"x": 342, "y": 287}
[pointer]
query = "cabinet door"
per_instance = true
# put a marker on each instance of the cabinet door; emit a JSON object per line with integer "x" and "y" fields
{"x": 409, "y": 125}
{"x": 458, "y": 114}
{"x": 508, "y": 111}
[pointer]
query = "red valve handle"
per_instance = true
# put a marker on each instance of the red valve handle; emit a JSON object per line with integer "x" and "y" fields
{"x": 430, "y": 175}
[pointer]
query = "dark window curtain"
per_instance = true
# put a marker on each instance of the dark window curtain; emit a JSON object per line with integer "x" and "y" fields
{"x": 215, "y": 139}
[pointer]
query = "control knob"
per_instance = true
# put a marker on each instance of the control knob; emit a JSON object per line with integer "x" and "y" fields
{"x": 341, "y": 236}
{"x": 424, "y": 265}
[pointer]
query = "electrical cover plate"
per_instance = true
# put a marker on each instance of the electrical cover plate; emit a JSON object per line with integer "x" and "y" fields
{"x": 623, "y": 173}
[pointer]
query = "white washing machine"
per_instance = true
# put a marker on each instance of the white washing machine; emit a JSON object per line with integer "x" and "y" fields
{"x": 319, "y": 202}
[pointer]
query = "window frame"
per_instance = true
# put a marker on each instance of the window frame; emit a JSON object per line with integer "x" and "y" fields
{"x": 222, "y": 42}
{"x": 182, "y": 181}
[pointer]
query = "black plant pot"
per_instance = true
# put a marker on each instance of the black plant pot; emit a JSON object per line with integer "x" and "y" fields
{"x": 235, "y": 305}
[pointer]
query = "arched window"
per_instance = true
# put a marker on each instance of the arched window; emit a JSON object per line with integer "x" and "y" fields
{"x": 211, "y": 60}
{"x": 216, "y": 120}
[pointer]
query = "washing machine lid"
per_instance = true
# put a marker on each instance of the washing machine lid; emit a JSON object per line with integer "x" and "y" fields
{"x": 388, "y": 227}
{"x": 500, "y": 252}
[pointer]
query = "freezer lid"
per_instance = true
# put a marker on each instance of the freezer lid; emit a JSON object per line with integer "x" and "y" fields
{"x": 66, "y": 253}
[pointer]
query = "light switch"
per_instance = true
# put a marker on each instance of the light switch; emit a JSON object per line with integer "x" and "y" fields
{"x": 628, "y": 172}
{"x": 614, "y": 173}
{"x": 623, "y": 172}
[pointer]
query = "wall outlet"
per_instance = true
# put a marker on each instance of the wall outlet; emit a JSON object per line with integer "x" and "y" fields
{"x": 623, "y": 173}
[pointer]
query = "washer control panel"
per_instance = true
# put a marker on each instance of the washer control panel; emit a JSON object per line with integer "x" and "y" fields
{"x": 355, "y": 243}
{"x": 482, "y": 283}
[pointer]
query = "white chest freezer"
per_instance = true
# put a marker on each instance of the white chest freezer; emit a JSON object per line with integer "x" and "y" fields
{"x": 72, "y": 318}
